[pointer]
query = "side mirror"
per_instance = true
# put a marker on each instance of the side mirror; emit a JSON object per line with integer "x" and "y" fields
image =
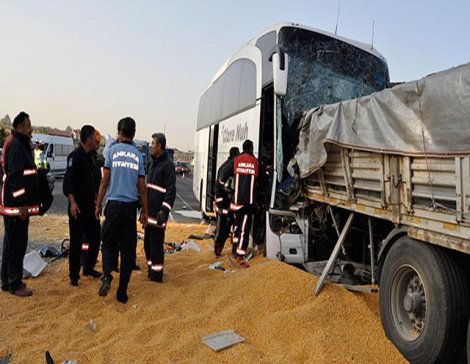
{"x": 280, "y": 68}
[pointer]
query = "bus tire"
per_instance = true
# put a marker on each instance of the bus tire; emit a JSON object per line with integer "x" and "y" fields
{"x": 424, "y": 302}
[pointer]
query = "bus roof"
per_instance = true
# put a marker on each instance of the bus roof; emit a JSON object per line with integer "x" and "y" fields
{"x": 276, "y": 27}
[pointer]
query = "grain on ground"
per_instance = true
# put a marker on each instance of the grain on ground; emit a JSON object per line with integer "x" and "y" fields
{"x": 270, "y": 304}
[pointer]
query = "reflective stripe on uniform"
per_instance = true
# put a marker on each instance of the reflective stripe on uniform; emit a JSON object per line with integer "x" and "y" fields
{"x": 235, "y": 207}
{"x": 156, "y": 187}
{"x": 29, "y": 172}
{"x": 240, "y": 252}
{"x": 19, "y": 192}
{"x": 167, "y": 205}
{"x": 252, "y": 187}
{"x": 236, "y": 187}
{"x": 157, "y": 267}
{"x": 151, "y": 221}
{"x": 219, "y": 199}
{"x": 85, "y": 246}
{"x": 242, "y": 234}
{"x": 15, "y": 211}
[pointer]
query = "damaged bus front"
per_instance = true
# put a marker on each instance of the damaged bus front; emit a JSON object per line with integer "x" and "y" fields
{"x": 309, "y": 69}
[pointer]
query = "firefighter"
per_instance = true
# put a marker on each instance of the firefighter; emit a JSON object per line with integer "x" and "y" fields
{"x": 80, "y": 188}
{"x": 225, "y": 217}
{"x": 123, "y": 179}
{"x": 161, "y": 192}
{"x": 19, "y": 200}
{"x": 245, "y": 170}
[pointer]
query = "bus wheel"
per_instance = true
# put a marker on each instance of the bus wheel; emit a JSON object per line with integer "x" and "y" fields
{"x": 424, "y": 302}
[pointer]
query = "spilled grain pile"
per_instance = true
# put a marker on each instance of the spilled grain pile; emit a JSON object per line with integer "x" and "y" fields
{"x": 270, "y": 304}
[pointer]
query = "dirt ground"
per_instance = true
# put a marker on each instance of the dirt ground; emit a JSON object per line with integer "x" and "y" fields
{"x": 270, "y": 304}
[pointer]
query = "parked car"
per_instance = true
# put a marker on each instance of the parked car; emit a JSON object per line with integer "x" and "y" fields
{"x": 182, "y": 167}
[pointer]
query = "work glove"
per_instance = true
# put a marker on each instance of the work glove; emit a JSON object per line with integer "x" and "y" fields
{"x": 162, "y": 218}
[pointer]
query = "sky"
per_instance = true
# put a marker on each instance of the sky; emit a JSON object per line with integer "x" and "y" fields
{"x": 76, "y": 62}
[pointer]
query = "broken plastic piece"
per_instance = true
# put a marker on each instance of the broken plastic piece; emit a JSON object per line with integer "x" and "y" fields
{"x": 33, "y": 263}
{"x": 191, "y": 245}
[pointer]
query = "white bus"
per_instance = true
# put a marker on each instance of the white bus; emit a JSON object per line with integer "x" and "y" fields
{"x": 276, "y": 76}
{"x": 57, "y": 149}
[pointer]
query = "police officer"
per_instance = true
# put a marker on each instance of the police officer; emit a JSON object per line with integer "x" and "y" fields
{"x": 19, "y": 200}
{"x": 80, "y": 188}
{"x": 39, "y": 156}
{"x": 123, "y": 178}
{"x": 161, "y": 192}
{"x": 245, "y": 169}
{"x": 225, "y": 216}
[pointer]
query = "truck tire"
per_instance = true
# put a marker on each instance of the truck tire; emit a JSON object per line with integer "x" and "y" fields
{"x": 424, "y": 302}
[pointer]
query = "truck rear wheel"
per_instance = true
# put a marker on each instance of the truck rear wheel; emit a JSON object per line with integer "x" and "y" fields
{"x": 424, "y": 302}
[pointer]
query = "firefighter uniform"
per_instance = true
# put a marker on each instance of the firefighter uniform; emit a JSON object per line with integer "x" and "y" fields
{"x": 119, "y": 233}
{"x": 225, "y": 217}
{"x": 245, "y": 170}
{"x": 20, "y": 187}
{"x": 161, "y": 193}
{"x": 80, "y": 181}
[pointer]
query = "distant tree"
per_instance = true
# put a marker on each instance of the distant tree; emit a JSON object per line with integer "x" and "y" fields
{"x": 69, "y": 128}
{"x": 6, "y": 120}
{"x": 41, "y": 129}
{"x": 3, "y": 135}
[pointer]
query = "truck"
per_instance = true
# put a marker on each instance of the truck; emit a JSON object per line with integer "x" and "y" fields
{"x": 386, "y": 177}
{"x": 369, "y": 186}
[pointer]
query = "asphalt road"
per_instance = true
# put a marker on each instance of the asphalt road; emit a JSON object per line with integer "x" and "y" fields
{"x": 185, "y": 210}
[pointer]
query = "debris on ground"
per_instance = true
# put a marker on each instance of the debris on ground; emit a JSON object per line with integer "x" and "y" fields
{"x": 33, "y": 263}
{"x": 191, "y": 245}
{"x": 218, "y": 266}
{"x": 223, "y": 339}
{"x": 244, "y": 264}
{"x": 208, "y": 234}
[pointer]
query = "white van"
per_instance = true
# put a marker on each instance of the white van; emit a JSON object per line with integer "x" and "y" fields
{"x": 57, "y": 148}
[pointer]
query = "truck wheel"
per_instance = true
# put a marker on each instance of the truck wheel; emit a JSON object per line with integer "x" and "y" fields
{"x": 424, "y": 302}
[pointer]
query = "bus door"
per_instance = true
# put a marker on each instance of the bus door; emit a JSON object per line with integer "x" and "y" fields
{"x": 211, "y": 166}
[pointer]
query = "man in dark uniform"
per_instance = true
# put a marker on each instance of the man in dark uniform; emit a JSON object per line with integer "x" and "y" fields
{"x": 123, "y": 180}
{"x": 225, "y": 217}
{"x": 161, "y": 192}
{"x": 245, "y": 170}
{"x": 19, "y": 200}
{"x": 80, "y": 188}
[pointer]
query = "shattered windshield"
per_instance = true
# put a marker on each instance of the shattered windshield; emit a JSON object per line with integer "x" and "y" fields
{"x": 323, "y": 70}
